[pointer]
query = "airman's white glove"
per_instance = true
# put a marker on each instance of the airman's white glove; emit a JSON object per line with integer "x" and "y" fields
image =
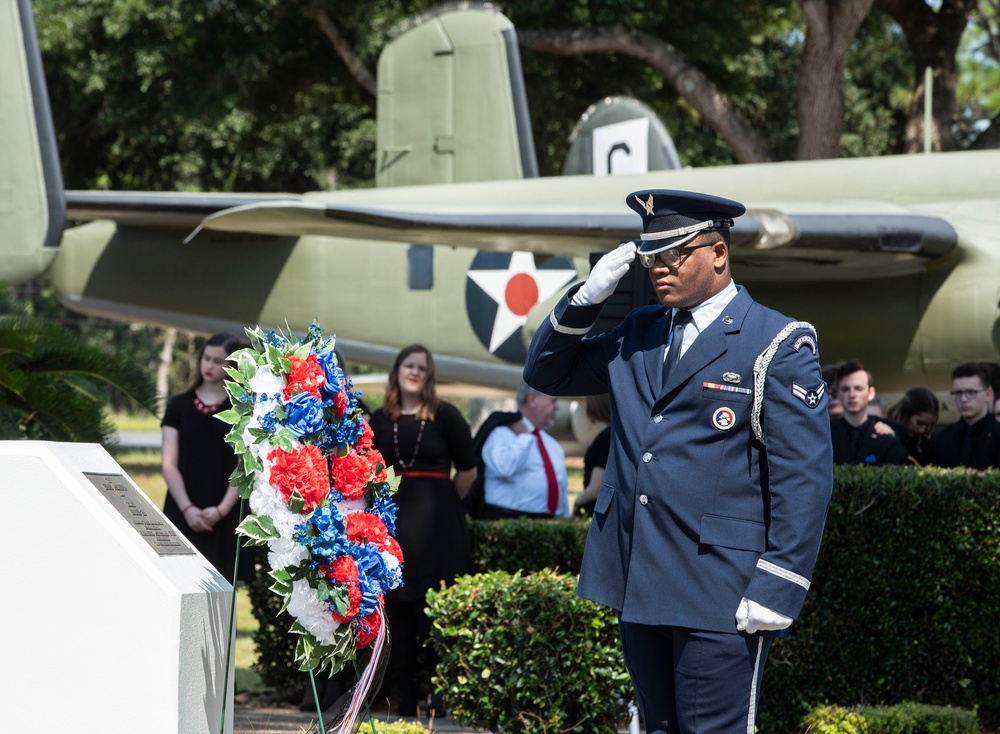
{"x": 605, "y": 275}
{"x": 752, "y": 618}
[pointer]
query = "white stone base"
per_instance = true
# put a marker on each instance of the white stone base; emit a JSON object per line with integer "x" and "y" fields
{"x": 99, "y": 631}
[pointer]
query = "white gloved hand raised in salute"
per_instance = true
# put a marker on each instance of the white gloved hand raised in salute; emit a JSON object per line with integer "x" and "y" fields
{"x": 752, "y": 618}
{"x": 605, "y": 275}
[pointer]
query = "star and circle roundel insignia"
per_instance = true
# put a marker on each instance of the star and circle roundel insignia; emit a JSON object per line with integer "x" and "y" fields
{"x": 500, "y": 291}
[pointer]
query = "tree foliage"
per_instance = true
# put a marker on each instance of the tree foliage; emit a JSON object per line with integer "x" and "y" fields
{"x": 54, "y": 386}
{"x": 277, "y": 96}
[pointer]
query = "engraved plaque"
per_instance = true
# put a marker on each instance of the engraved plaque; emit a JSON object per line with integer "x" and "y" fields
{"x": 134, "y": 506}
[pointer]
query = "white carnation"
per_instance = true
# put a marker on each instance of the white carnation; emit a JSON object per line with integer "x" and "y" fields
{"x": 346, "y": 507}
{"x": 312, "y": 614}
{"x": 266, "y": 500}
{"x": 285, "y": 552}
{"x": 264, "y": 382}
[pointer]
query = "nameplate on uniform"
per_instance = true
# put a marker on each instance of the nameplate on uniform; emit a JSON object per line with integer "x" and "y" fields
{"x": 135, "y": 507}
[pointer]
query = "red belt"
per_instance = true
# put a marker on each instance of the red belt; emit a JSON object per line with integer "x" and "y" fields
{"x": 432, "y": 474}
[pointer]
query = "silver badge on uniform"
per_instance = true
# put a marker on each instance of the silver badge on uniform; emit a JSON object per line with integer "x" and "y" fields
{"x": 731, "y": 377}
{"x": 809, "y": 396}
{"x": 727, "y": 320}
{"x": 723, "y": 418}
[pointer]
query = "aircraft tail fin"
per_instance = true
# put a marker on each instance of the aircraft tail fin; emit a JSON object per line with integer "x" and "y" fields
{"x": 452, "y": 106}
{"x": 620, "y": 135}
{"x": 32, "y": 200}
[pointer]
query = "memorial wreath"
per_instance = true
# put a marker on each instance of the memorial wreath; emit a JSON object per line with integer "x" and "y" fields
{"x": 320, "y": 493}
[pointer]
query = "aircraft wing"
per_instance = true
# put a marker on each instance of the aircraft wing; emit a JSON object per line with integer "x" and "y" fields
{"x": 831, "y": 233}
{"x": 183, "y": 211}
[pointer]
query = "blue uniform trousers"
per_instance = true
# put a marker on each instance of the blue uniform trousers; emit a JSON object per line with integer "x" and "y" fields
{"x": 694, "y": 682}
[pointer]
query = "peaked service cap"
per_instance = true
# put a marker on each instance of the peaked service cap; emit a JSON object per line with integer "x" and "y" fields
{"x": 672, "y": 218}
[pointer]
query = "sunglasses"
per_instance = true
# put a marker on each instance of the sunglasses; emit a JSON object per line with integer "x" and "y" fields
{"x": 669, "y": 257}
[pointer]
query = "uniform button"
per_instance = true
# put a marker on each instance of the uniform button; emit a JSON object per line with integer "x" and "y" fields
{"x": 647, "y": 457}
{"x": 657, "y": 419}
{"x": 643, "y": 500}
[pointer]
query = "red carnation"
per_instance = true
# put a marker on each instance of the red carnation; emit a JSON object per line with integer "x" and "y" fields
{"x": 343, "y": 570}
{"x": 367, "y": 438}
{"x": 351, "y": 475}
{"x": 340, "y": 403}
{"x": 306, "y": 376}
{"x": 374, "y": 458}
{"x": 303, "y": 470}
{"x": 363, "y": 527}
{"x": 368, "y": 628}
{"x": 391, "y": 547}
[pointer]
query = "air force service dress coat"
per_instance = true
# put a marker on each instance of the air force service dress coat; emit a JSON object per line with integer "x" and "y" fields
{"x": 696, "y": 513}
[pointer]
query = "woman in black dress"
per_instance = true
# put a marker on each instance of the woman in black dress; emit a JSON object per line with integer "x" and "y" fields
{"x": 197, "y": 462}
{"x": 423, "y": 437}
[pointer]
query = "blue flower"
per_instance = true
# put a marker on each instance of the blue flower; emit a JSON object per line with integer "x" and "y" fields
{"x": 304, "y": 414}
{"x": 349, "y": 432}
{"x": 384, "y": 508}
{"x": 334, "y": 375}
{"x": 371, "y": 574}
{"x": 330, "y": 539}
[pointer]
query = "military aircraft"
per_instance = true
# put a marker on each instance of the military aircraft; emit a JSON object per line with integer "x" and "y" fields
{"x": 461, "y": 246}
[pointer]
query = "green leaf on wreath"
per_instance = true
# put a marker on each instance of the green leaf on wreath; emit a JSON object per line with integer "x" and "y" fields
{"x": 229, "y": 416}
{"x": 258, "y": 529}
{"x": 283, "y": 441}
{"x": 234, "y": 374}
{"x": 295, "y": 502}
{"x": 282, "y": 582}
{"x": 247, "y": 365}
{"x": 341, "y": 598}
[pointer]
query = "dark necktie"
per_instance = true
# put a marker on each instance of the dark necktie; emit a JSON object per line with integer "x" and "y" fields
{"x": 681, "y": 319}
{"x": 966, "y": 448}
{"x": 550, "y": 474}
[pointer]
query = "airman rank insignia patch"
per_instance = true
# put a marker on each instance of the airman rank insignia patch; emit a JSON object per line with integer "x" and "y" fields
{"x": 723, "y": 418}
{"x": 805, "y": 340}
{"x": 809, "y": 396}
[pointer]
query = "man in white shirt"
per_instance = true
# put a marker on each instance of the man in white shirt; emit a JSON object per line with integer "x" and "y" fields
{"x": 525, "y": 466}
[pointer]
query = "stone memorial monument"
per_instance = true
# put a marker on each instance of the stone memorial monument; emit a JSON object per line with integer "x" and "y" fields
{"x": 109, "y": 620}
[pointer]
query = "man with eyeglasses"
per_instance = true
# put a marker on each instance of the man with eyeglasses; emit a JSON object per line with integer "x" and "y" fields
{"x": 709, "y": 520}
{"x": 973, "y": 441}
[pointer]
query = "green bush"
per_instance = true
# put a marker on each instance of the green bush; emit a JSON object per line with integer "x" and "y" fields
{"x": 904, "y": 599}
{"x": 903, "y": 605}
{"x": 374, "y": 726}
{"x": 904, "y": 718}
{"x": 526, "y": 654}
{"x": 527, "y": 545}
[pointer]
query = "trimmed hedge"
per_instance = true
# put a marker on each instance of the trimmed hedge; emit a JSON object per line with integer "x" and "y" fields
{"x": 904, "y": 718}
{"x": 903, "y": 605}
{"x": 527, "y": 545}
{"x": 904, "y": 600}
{"x": 537, "y": 658}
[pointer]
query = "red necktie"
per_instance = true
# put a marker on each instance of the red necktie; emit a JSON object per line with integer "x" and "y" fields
{"x": 550, "y": 474}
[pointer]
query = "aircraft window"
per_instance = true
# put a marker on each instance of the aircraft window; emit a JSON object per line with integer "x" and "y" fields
{"x": 420, "y": 264}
